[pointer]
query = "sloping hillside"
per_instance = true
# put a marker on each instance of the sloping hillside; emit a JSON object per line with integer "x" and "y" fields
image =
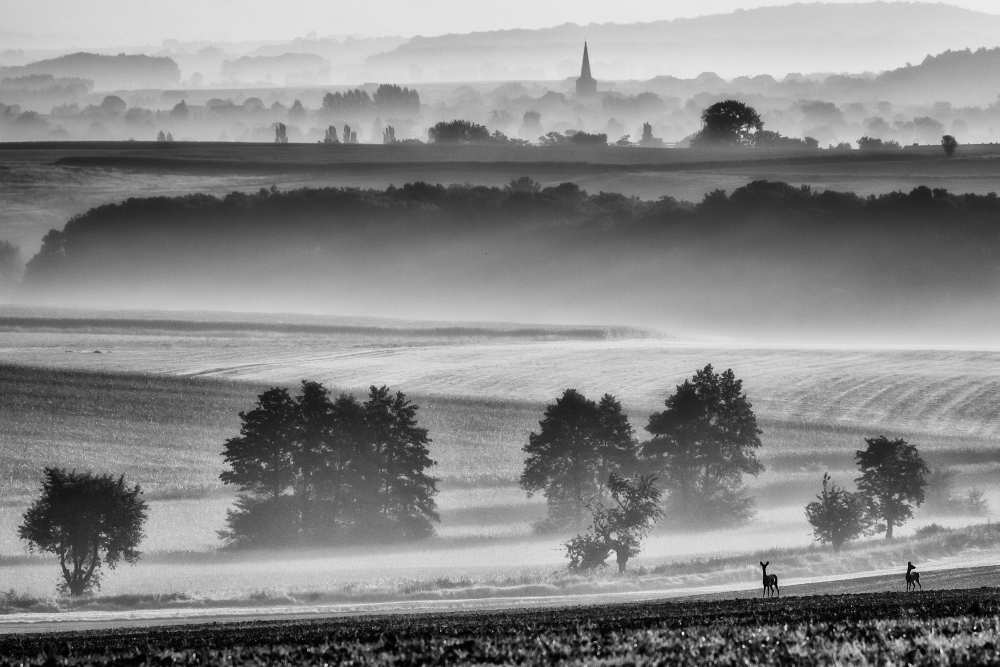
{"x": 814, "y": 37}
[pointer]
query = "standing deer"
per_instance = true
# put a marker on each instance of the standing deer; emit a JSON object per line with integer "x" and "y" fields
{"x": 912, "y": 577}
{"x": 770, "y": 581}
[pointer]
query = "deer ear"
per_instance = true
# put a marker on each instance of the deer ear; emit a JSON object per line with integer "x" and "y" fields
{"x": 762, "y": 564}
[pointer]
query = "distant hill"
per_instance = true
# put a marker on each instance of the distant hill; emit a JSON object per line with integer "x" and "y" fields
{"x": 960, "y": 77}
{"x": 818, "y": 37}
{"x": 107, "y": 72}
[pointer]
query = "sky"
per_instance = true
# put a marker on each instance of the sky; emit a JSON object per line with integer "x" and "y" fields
{"x": 102, "y": 23}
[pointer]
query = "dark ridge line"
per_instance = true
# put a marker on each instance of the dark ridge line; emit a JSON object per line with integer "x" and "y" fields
{"x": 258, "y": 165}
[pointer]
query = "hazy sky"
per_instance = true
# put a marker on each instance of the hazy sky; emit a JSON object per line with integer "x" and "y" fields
{"x": 122, "y": 22}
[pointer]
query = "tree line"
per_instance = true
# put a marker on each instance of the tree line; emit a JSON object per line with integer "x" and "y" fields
{"x": 209, "y": 227}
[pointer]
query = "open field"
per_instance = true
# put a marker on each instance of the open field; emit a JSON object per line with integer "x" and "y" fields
{"x": 940, "y": 627}
{"x": 163, "y": 393}
{"x": 42, "y": 185}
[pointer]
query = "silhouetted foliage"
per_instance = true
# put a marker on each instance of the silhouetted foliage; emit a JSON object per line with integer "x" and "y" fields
{"x": 632, "y": 508}
{"x": 280, "y": 133}
{"x": 702, "y": 445}
{"x": 588, "y": 139}
{"x": 311, "y": 469}
{"x": 837, "y": 516}
{"x": 729, "y": 123}
{"x": 892, "y": 481}
{"x": 949, "y": 144}
{"x": 875, "y": 144}
{"x": 769, "y": 139}
{"x": 167, "y": 243}
{"x": 87, "y": 521}
{"x": 579, "y": 444}
{"x": 112, "y": 104}
{"x": 349, "y": 103}
{"x": 459, "y": 131}
{"x": 397, "y": 101}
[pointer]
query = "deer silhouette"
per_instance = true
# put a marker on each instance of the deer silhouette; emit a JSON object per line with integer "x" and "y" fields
{"x": 912, "y": 577}
{"x": 770, "y": 581}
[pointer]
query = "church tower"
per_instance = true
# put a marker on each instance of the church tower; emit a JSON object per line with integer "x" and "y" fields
{"x": 586, "y": 86}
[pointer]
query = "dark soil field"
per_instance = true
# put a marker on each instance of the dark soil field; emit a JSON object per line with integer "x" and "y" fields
{"x": 941, "y": 627}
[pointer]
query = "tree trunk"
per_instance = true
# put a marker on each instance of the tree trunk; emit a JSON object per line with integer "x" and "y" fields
{"x": 888, "y": 530}
{"x": 622, "y": 556}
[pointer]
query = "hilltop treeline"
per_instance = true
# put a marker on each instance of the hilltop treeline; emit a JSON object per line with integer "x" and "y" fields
{"x": 766, "y": 250}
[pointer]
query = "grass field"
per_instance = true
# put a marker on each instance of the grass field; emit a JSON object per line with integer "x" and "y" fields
{"x": 941, "y": 628}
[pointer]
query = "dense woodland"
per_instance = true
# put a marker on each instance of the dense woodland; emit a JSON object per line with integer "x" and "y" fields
{"x": 826, "y": 260}
{"x": 167, "y": 229}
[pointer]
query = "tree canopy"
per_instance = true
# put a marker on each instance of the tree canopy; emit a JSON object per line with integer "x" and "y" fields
{"x": 459, "y": 132}
{"x": 703, "y": 443}
{"x": 311, "y": 469}
{"x": 579, "y": 444}
{"x": 729, "y": 123}
{"x": 892, "y": 481}
{"x": 836, "y": 516}
{"x": 88, "y": 521}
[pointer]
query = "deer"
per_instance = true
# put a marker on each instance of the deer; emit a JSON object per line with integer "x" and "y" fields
{"x": 912, "y": 577}
{"x": 770, "y": 581}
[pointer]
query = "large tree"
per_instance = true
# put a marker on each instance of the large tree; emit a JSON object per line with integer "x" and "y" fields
{"x": 731, "y": 123}
{"x": 262, "y": 464}
{"x": 837, "y": 516}
{"x": 703, "y": 443}
{"x": 87, "y": 521}
{"x": 398, "y": 448}
{"x": 313, "y": 469}
{"x": 892, "y": 481}
{"x": 579, "y": 444}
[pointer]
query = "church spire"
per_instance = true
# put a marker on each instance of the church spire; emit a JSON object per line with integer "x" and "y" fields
{"x": 586, "y": 86}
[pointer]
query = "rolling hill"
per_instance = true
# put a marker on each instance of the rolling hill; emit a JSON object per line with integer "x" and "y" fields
{"x": 816, "y": 37}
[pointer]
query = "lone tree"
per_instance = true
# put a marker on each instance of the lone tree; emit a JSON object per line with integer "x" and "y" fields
{"x": 311, "y": 469}
{"x": 620, "y": 527}
{"x": 580, "y": 443}
{"x": 892, "y": 481}
{"x": 949, "y": 144}
{"x": 837, "y": 516}
{"x": 729, "y": 123}
{"x": 702, "y": 445}
{"x": 88, "y": 521}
